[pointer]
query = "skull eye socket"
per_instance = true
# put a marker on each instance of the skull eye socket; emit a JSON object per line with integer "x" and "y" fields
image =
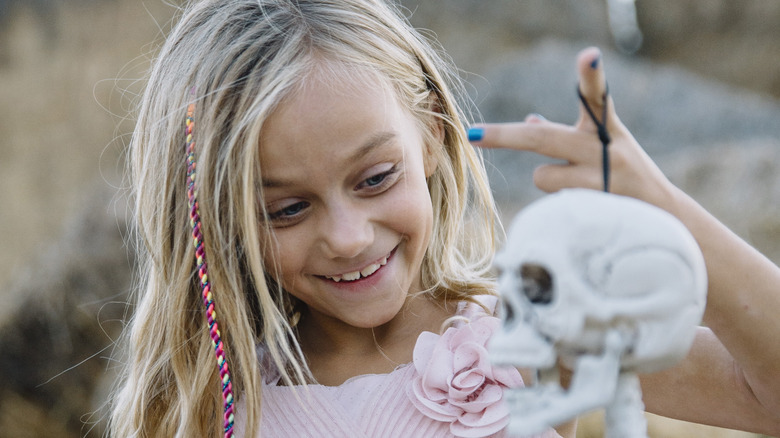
{"x": 506, "y": 313}
{"x": 537, "y": 283}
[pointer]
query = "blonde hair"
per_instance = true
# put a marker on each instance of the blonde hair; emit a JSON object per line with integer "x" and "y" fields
{"x": 237, "y": 60}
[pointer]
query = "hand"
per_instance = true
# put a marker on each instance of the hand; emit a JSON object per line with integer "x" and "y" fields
{"x": 730, "y": 377}
{"x": 632, "y": 172}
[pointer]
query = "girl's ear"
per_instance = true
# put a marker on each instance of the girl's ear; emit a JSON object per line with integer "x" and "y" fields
{"x": 437, "y": 134}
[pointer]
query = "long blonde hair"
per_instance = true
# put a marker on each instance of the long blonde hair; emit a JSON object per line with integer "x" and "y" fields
{"x": 236, "y": 60}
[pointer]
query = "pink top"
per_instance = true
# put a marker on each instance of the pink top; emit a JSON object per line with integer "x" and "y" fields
{"x": 449, "y": 390}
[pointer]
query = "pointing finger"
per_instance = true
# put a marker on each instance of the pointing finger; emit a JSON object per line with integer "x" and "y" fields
{"x": 553, "y": 140}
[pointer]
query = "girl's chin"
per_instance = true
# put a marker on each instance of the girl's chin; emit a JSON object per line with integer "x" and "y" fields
{"x": 352, "y": 317}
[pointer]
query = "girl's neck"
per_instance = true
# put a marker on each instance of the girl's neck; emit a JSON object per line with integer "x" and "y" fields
{"x": 336, "y": 351}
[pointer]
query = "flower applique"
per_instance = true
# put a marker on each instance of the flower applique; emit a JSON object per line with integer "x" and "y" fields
{"x": 456, "y": 383}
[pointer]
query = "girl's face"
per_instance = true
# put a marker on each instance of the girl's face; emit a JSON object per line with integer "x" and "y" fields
{"x": 344, "y": 171}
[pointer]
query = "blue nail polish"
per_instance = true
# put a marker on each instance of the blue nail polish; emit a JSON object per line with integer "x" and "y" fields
{"x": 595, "y": 63}
{"x": 476, "y": 134}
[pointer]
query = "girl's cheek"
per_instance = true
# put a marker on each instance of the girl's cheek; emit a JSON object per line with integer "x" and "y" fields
{"x": 273, "y": 255}
{"x": 414, "y": 210}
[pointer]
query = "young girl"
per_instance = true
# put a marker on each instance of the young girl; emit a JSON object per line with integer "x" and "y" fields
{"x": 342, "y": 229}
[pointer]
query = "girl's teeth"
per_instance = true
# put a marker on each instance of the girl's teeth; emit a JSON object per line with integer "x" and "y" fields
{"x": 352, "y": 276}
{"x": 368, "y": 270}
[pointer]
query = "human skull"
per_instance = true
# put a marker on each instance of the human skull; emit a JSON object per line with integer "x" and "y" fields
{"x": 580, "y": 262}
{"x": 603, "y": 283}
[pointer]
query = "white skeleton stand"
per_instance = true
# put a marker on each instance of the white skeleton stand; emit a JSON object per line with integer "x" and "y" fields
{"x": 607, "y": 285}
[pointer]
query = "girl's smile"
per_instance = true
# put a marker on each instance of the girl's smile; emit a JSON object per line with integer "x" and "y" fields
{"x": 361, "y": 274}
{"x": 344, "y": 170}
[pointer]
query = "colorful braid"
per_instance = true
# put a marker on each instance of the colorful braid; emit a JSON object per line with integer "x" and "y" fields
{"x": 200, "y": 256}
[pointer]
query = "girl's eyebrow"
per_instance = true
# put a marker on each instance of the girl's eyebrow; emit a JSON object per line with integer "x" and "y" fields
{"x": 378, "y": 139}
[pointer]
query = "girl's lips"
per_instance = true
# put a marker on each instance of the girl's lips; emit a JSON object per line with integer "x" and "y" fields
{"x": 363, "y": 273}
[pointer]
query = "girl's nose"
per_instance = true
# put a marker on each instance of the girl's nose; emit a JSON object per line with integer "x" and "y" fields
{"x": 346, "y": 231}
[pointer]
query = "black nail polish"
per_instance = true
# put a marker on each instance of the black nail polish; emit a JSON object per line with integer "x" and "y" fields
{"x": 595, "y": 63}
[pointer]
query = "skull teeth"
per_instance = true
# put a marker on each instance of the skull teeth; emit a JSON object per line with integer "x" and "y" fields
{"x": 356, "y": 275}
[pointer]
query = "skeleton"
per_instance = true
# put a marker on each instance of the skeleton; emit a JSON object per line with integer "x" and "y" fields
{"x": 609, "y": 287}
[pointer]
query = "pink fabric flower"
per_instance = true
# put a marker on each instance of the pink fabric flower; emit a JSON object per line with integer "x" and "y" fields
{"x": 456, "y": 383}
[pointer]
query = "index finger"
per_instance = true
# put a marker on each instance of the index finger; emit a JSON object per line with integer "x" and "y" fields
{"x": 554, "y": 140}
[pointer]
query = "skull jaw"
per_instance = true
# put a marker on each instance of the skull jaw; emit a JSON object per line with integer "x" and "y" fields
{"x": 523, "y": 347}
{"x": 595, "y": 381}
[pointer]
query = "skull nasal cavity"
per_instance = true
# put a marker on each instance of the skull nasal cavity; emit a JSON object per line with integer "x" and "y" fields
{"x": 537, "y": 283}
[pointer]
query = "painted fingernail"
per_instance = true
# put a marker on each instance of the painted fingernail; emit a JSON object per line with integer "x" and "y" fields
{"x": 476, "y": 134}
{"x": 595, "y": 63}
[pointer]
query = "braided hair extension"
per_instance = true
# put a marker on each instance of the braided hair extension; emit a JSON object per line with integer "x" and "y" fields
{"x": 200, "y": 258}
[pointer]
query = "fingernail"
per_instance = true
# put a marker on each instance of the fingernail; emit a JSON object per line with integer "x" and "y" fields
{"x": 595, "y": 63}
{"x": 535, "y": 116}
{"x": 476, "y": 134}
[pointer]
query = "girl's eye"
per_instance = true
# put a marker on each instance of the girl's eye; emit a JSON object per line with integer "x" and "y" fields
{"x": 380, "y": 181}
{"x": 375, "y": 180}
{"x": 287, "y": 215}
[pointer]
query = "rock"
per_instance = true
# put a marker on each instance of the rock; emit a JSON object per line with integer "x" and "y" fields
{"x": 58, "y": 325}
{"x": 667, "y": 109}
{"x": 738, "y": 182}
{"x": 734, "y": 42}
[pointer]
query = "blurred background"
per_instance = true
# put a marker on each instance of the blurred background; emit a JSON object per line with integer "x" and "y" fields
{"x": 696, "y": 81}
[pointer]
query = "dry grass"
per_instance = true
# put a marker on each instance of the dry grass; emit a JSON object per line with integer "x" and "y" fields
{"x": 61, "y": 112}
{"x": 592, "y": 426}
